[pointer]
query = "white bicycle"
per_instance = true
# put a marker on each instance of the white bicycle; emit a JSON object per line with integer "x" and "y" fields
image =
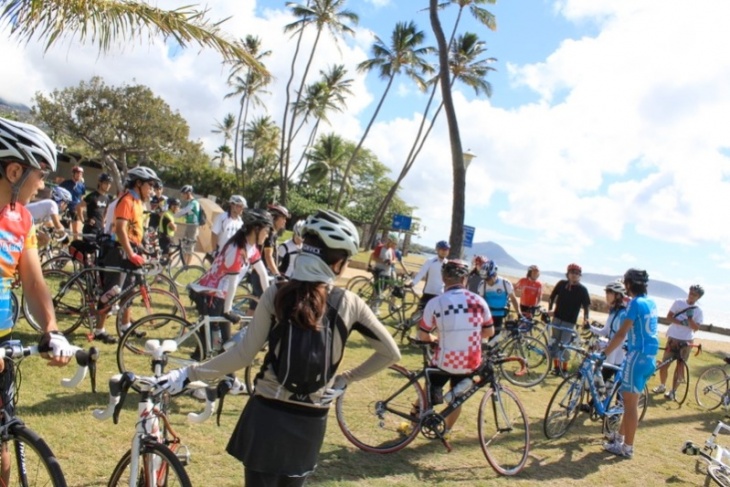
{"x": 714, "y": 454}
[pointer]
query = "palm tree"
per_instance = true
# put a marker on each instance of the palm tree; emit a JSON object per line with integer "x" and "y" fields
{"x": 329, "y": 14}
{"x": 327, "y": 159}
{"x": 105, "y": 22}
{"x": 223, "y": 155}
{"x": 261, "y": 136}
{"x": 404, "y": 54}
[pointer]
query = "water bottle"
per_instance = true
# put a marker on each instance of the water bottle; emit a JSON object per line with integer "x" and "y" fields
{"x": 459, "y": 389}
{"x": 110, "y": 294}
{"x": 217, "y": 339}
{"x": 236, "y": 338}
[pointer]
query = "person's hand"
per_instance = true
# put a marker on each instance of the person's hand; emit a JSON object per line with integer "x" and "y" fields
{"x": 598, "y": 356}
{"x": 54, "y": 346}
{"x": 174, "y": 381}
{"x": 136, "y": 260}
{"x": 336, "y": 390}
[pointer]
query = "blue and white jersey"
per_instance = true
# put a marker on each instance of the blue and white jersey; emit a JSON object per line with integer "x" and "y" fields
{"x": 643, "y": 335}
{"x": 497, "y": 295}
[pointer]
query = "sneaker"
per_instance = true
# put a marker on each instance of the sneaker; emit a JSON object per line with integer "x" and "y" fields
{"x": 671, "y": 395}
{"x": 135, "y": 333}
{"x": 404, "y": 428}
{"x": 659, "y": 389}
{"x": 619, "y": 449}
{"x": 106, "y": 338}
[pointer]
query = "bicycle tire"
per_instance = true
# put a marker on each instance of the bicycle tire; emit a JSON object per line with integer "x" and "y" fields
{"x": 680, "y": 393}
{"x": 363, "y": 287}
{"x": 187, "y": 275}
{"x": 356, "y": 279}
{"x": 62, "y": 263}
{"x": 393, "y": 305}
{"x": 131, "y": 356}
{"x": 381, "y": 414}
{"x": 615, "y": 412}
{"x": 720, "y": 474}
{"x": 32, "y": 461}
{"x": 164, "y": 282}
{"x": 563, "y": 407}
{"x": 149, "y": 301}
{"x": 148, "y": 451}
{"x": 535, "y": 355}
{"x": 69, "y": 302}
{"x": 14, "y": 307}
{"x": 504, "y": 431}
{"x": 711, "y": 388}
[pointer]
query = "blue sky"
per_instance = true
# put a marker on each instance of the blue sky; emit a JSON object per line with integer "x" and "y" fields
{"x": 605, "y": 142}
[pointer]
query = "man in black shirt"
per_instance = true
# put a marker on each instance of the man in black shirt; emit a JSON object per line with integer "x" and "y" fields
{"x": 568, "y": 296}
{"x": 94, "y": 205}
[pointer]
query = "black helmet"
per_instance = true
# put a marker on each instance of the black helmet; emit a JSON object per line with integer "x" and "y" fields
{"x": 455, "y": 269}
{"x": 104, "y": 178}
{"x": 257, "y": 218}
{"x": 637, "y": 276}
{"x": 173, "y": 202}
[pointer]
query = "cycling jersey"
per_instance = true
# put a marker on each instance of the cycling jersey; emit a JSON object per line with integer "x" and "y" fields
{"x": 96, "y": 204}
{"x": 683, "y": 311}
{"x": 130, "y": 208}
{"x": 225, "y": 227}
{"x": 231, "y": 263}
{"x": 431, "y": 271}
{"x": 613, "y": 323}
{"x": 497, "y": 296}
{"x": 530, "y": 292}
{"x": 643, "y": 333}
{"x": 77, "y": 190}
{"x": 42, "y": 210}
{"x": 17, "y": 234}
{"x": 165, "y": 228}
{"x": 191, "y": 212}
{"x": 459, "y": 316}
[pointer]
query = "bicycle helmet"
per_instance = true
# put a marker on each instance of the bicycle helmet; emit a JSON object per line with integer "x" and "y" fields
{"x": 298, "y": 228}
{"x": 393, "y": 237}
{"x": 616, "y": 287}
{"x": 696, "y": 288}
{"x": 173, "y": 202}
{"x": 277, "y": 209}
{"x": 186, "y": 189}
{"x": 442, "y": 245}
{"x": 532, "y": 268}
{"x": 59, "y": 194}
{"x": 142, "y": 173}
{"x": 257, "y": 218}
{"x": 77, "y": 169}
{"x": 237, "y": 199}
{"x": 455, "y": 269}
{"x": 489, "y": 269}
{"x": 575, "y": 268}
{"x": 104, "y": 178}
{"x": 479, "y": 261}
{"x": 336, "y": 231}
{"x": 637, "y": 276}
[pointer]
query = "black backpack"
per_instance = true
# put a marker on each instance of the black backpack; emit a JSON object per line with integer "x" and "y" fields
{"x": 202, "y": 217}
{"x": 304, "y": 363}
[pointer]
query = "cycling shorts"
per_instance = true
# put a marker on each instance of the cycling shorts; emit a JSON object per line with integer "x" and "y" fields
{"x": 637, "y": 370}
{"x": 680, "y": 347}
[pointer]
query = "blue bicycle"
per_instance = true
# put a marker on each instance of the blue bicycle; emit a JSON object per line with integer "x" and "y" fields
{"x": 585, "y": 391}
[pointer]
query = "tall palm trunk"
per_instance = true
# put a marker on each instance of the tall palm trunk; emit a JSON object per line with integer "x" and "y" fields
{"x": 236, "y": 137}
{"x": 243, "y": 141}
{"x": 303, "y": 157}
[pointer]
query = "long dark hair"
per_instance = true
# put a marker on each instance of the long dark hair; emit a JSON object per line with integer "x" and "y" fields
{"x": 305, "y": 303}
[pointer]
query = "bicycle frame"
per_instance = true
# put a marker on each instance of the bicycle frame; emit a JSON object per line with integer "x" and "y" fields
{"x": 712, "y": 452}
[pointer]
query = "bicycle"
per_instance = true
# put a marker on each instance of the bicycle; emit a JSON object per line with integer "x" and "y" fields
{"x": 157, "y": 456}
{"x": 75, "y": 298}
{"x": 680, "y": 378}
{"x": 403, "y": 324}
{"x": 194, "y": 342}
{"x": 714, "y": 454}
{"x": 384, "y": 295}
{"x": 605, "y": 401}
{"x": 384, "y": 413}
{"x": 33, "y": 460}
{"x": 713, "y": 387}
{"x": 515, "y": 341}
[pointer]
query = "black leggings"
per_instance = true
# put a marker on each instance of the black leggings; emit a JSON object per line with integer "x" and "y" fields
{"x": 260, "y": 479}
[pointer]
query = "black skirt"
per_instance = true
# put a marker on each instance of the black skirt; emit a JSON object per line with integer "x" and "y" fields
{"x": 278, "y": 438}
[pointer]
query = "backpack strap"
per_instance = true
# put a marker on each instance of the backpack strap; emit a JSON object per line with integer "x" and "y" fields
{"x": 334, "y": 301}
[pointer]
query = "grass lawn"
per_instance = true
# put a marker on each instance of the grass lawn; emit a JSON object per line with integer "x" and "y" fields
{"x": 88, "y": 450}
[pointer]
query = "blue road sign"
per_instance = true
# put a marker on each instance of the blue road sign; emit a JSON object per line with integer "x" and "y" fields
{"x": 468, "y": 235}
{"x": 402, "y": 222}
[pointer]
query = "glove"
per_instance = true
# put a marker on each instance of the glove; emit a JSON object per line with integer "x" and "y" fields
{"x": 332, "y": 393}
{"x": 174, "y": 381}
{"x": 136, "y": 260}
{"x": 55, "y": 343}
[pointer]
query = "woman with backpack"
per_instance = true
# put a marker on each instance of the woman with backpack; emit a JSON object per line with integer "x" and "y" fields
{"x": 306, "y": 322}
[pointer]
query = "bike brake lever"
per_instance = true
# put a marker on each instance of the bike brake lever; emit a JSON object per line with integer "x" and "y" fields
{"x": 222, "y": 390}
{"x": 124, "y": 384}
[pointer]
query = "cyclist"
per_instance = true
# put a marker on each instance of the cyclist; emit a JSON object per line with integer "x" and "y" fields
{"x": 640, "y": 326}
{"x": 77, "y": 188}
{"x": 685, "y": 318}
{"x": 461, "y": 320}
{"x": 280, "y": 433}
{"x": 615, "y": 294}
{"x": 431, "y": 271}
{"x": 92, "y": 208}
{"x": 129, "y": 231}
{"x": 167, "y": 228}
{"x": 498, "y": 293}
{"x": 280, "y": 215}
{"x": 568, "y": 297}
{"x": 227, "y": 223}
{"x": 530, "y": 291}
{"x": 289, "y": 250}
{"x": 191, "y": 211}
{"x": 154, "y": 215}
{"x": 474, "y": 279}
{"x": 48, "y": 212}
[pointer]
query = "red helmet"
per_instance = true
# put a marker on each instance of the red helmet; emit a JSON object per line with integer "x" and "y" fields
{"x": 575, "y": 268}
{"x": 77, "y": 169}
{"x": 479, "y": 261}
{"x": 278, "y": 209}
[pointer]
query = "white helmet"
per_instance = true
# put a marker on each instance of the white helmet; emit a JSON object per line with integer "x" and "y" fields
{"x": 336, "y": 231}
{"x": 298, "y": 228}
{"x": 237, "y": 199}
{"x": 142, "y": 173}
{"x": 26, "y": 145}
{"x": 186, "y": 189}
{"x": 60, "y": 194}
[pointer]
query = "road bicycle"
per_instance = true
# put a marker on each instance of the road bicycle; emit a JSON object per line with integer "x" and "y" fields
{"x": 714, "y": 454}
{"x": 75, "y": 298}
{"x": 194, "y": 341}
{"x": 403, "y": 324}
{"x": 384, "y": 413}
{"x": 157, "y": 456}
{"x": 515, "y": 340}
{"x": 680, "y": 378}
{"x": 384, "y": 295}
{"x": 713, "y": 387}
{"x": 31, "y": 460}
{"x": 569, "y": 363}
{"x": 585, "y": 391}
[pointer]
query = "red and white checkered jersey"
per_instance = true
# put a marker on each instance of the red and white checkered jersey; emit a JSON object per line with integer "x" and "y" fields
{"x": 458, "y": 316}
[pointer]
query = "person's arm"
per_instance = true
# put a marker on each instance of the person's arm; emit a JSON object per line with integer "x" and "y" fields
{"x": 260, "y": 269}
{"x": 81, "y": 209}
{"x": 515, "y": 304}
{"x": 586, "y": 305}
{"x": 553, "y": 296}
{"x": 421, "y": 273}
{"x": 620, "y": 337}
{"x": 269, "y": 259}
{"x": 57, "y": 225}
{"x": 184, "y": 210}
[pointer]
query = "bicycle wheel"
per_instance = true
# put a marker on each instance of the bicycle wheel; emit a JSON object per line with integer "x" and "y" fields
{"x": 148, "y": 301}
{"x": 162, "y": 281}
{"x": 720, "y": 474}
{"x": 711, "y": 388}
{"x": 563, "y": 407}
{"x": 131, "y": 355}
{"x": 187, "y": 275}
{"x": 615, "y": 409}
{"x": 682, "y": 384}
{"x": 14, "y": 307}
{"x": 536, "y": 356}
{"x": 357, "y": 282}
{"x": 31, "y": 460}
{"x": 504, "y": 431}
{"x": 381, "y": 414}
{"x": 62, "y": 263}
{"x": 158, "y": 465}
{"x": 69, "y": 302}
